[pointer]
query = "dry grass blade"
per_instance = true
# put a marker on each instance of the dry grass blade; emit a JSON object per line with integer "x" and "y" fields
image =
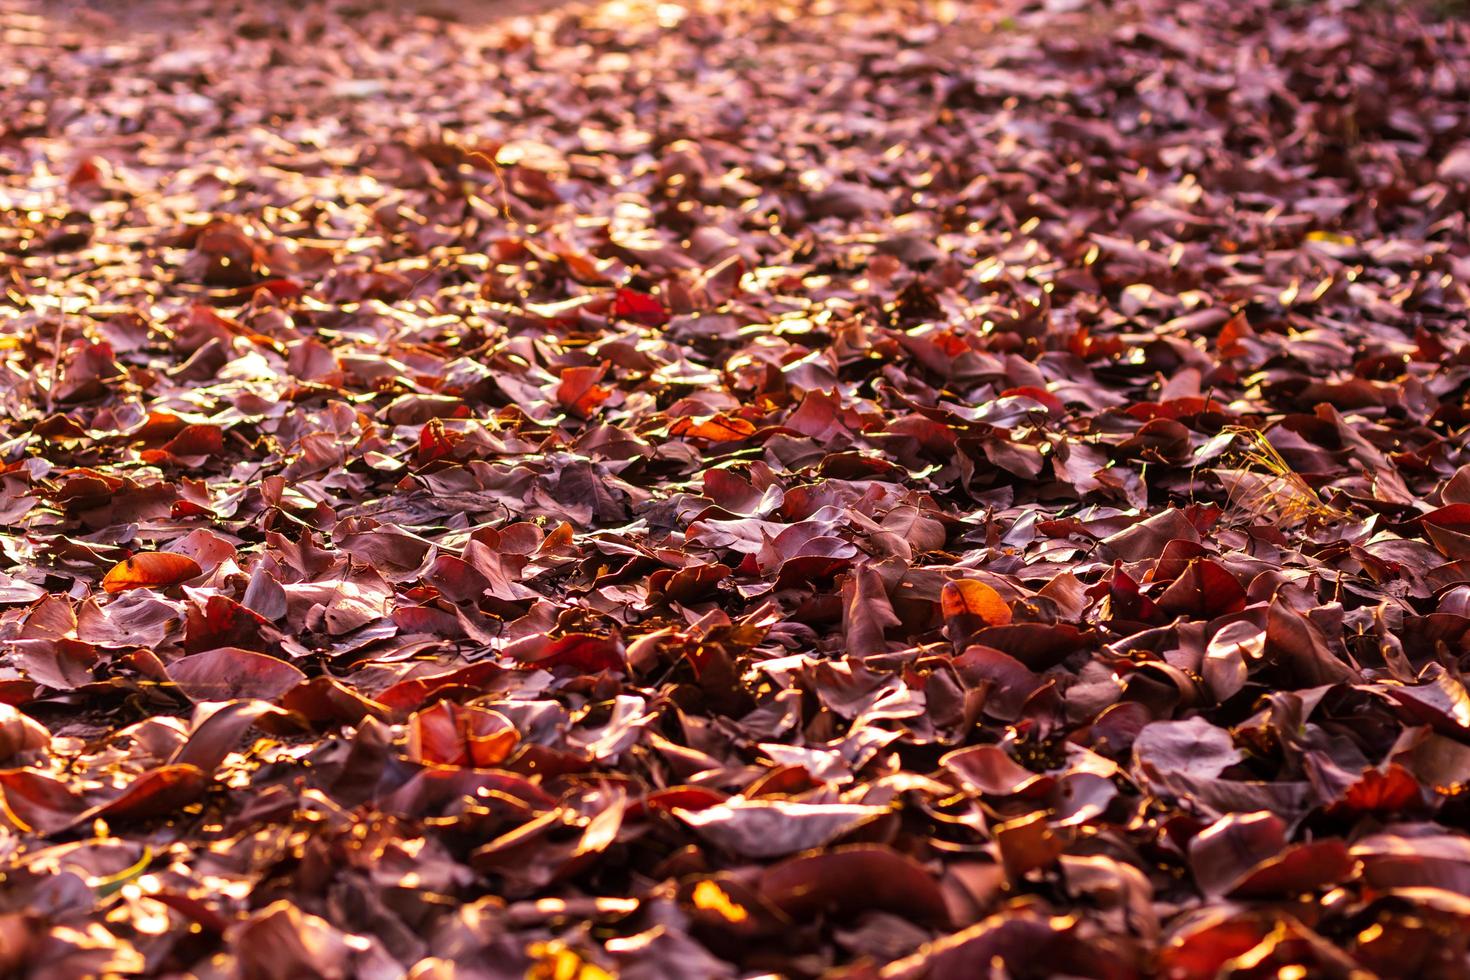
{"x": 1261, "y": 485}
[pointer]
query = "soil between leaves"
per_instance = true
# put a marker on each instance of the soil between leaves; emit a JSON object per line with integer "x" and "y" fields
{"x": 904, "y": 489}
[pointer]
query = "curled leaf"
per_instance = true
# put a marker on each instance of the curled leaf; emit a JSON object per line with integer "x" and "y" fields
{"x": 150, "y": 570}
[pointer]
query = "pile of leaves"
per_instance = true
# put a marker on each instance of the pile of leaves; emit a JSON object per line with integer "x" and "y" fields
{"x": 699, "y": 489}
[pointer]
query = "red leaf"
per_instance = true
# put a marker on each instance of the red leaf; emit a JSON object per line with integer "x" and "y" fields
{"x": 324, "y": 699}
{"x": 196, "y": 440}
{"x": 629, "y": 304}
{"x": 585, "y": 653}
{"x": 436, "y": 442}
{"x": 688, "y": 584}
{"x": 409, "y": 694}
{"x": 155, "y": 793}
{"x": 853, "y": 879}
{"x": 1203, "y": 590}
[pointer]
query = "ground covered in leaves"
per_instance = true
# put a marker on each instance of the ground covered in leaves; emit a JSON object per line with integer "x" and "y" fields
{"x": 701, "y": 490}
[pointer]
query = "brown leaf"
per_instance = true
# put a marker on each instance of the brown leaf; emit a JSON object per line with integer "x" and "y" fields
{"x": 227, "y": 673}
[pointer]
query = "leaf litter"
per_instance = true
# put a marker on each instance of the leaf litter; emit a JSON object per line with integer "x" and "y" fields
{"x": 718, "y": 489}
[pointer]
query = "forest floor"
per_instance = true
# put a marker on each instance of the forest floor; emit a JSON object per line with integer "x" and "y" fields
{"x": 714, "y": 489}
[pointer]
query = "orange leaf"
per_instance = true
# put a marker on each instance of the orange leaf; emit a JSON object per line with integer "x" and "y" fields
{"x": 450, "y": 734}
{"x": 151, "y": 569}
{"x": 717, "y": 428}
{"x": 579, "y": 389}
{"x": 968, "y": 597}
